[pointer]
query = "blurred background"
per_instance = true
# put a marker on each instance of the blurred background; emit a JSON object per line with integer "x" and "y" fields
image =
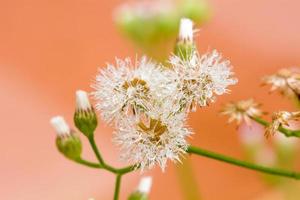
{"x": 49, "y": 49}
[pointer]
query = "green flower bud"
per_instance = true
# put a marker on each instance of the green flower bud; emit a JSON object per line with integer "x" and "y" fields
{"x": 85, "y": 117}
{"x": 67, "y": 143}
{"x": 138, "y": 196}
{"x": 70, "y": 146}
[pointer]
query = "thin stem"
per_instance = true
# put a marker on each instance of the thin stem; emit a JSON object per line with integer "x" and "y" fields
{"x": 117, "y": 186}
{"x": 107, "y": 166}
{"x": 285, "y": 131}
{"x": 96, "y": 151}
{"x": 220, "y": 157}
{"x": 87, "y": 163}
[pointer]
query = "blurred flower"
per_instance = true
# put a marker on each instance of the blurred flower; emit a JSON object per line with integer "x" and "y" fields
{"x": 242, "y": 111}
{"x": 66, "y": 141}
{"x": 286, "y": 81}
{"x": 143, "y": 189}
{"x": 251, "y": 137}
{"x": 145, "y": 185}
{"x": 85, "y": 117}
{"x": 153, "y": 24}
{"x": 153, "y": 138}
{"x": 129, "y": 88}
{"x": 279, "y": 119}
{"x": 201, "y": 78}
{"x": 285, "y": 142}
{"x": 266, "y": 156}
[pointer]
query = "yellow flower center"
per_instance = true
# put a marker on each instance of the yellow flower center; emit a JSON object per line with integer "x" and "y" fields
{"x": 155, "y": 128}
{"x": 136, "y": 83}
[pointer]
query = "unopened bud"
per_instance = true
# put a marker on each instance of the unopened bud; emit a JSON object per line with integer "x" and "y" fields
{"x": 185, "y": 45}
{"x": 186, "y": 30}
{"x": 85, "y": 117}
{"x": 143, "y": 189}
{"x": 67, "y": 142}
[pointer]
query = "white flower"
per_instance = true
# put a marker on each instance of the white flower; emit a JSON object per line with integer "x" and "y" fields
{"x": 131, "y": 88}
{"x": 242, "y": 111}
{"x": 145, "y": 185}
{"x": 82, "y": 101}
{"x": 201, "y": 78}
{"x": 60, "y": 126}
{"x": 186, "y": 30}
{"x": 153, "y": 139}
{"x": 286, "y": 81}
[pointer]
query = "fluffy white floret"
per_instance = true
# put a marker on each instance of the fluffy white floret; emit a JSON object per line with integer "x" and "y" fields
{"x": 186, "y": 30}
{"x": 60, "y": 126}
{"x": 145, "y": 185}
{"x": 82, "y": 100}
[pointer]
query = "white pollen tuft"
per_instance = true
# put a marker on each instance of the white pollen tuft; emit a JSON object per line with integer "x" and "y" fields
{"x": 186, "y": 29}
{"x": 60, "y": 125}
{"x": 82, "y": 100}
{"x": 145, "y": 185}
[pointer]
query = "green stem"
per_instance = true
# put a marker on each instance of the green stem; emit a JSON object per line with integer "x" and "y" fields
{"x": 96, "y": 151}
{"x": 87, "y": 163}
{"x": 108, "y": 167}
{"x": 188, "y": 181}
{"x": 285, "y": 131}
{"x": 220, "y": 157}
{"x": 117, "y": 186}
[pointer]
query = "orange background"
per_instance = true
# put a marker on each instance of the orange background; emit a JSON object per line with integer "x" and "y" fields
{"x": 49, "y": 49}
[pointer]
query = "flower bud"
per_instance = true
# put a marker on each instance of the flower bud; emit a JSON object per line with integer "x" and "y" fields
{"x": 143, "y": 189}
{"x": 185, "y": 44}
{"x": 67, "y": 143}
{"x": 85, "y": 117}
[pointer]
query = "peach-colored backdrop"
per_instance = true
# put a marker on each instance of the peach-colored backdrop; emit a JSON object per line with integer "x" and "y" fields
{"x": 48, "y": 49}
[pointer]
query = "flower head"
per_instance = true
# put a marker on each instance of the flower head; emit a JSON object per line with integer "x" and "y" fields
{"x": 130, "y": 88}
{"x": 242, "y": 111}
{"x": 153, "y": 138}
{"x": 286, "y": 81}
{"x": 279, "y": 119}
{"x": 201, "y": 78}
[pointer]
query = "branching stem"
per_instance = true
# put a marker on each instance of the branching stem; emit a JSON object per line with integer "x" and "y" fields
{"x": 248, "y": 165}
{"x": 285, "y": 131}
{"x": 119, "y": 172}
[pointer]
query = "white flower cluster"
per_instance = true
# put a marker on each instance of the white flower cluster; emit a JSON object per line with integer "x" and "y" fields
{"x": 201, "y": 78}
{"x": 148, "y": 103}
